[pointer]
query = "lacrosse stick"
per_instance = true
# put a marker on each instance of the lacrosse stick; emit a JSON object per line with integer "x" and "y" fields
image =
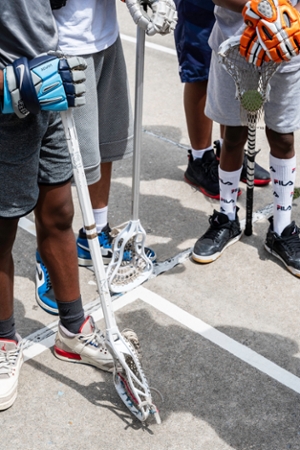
{"x": 252, "y": 90}
{"x": 125, "y": 275}
{"x": 129, "y": 378}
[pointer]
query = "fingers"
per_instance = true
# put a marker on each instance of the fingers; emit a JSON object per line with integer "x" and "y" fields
{"x": 76, "y": 63}
{"x": 164, "y": 17}
{"x": 251, "y": 48}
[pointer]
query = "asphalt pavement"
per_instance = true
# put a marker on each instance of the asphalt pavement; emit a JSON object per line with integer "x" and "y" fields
{"x": 220, "y": 341}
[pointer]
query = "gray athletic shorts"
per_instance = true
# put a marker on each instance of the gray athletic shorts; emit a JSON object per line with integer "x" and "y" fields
{"x": 33, "y": 151}
{"x": 105, "y": 124}
{"x": 282, "y": 111}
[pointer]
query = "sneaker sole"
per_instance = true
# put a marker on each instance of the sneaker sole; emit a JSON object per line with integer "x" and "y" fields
{"x": 201, "y": 189}
{"x": 211, "y": 258}
{"x": 258, "y": 182}
{"x": 82, "y": 262}
{"x": 76, "y": 358}
{"x": 7, "y": 404}
{"x": 294, "y": 271}
{"x": 45, "y": 307}
{"x": 204, "y": 192}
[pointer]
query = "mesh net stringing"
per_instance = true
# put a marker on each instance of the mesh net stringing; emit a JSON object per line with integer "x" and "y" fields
{"x": 252, "y": 83}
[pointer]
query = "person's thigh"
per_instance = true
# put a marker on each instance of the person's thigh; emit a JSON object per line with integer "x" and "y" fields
{"x": 21, "y": 151}
{"x": 195, "y": 22}
{"x": 222, "y": 106}
{"x": 54, "y": 163}
{"x": 282, "y": 111}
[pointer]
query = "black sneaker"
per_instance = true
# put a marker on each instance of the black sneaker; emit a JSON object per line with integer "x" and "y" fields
{"x": 221, "y": 233}
{"x": 203, "y": 174}
{"x": 261, "y": 175}
{"x": 285, "y": 247}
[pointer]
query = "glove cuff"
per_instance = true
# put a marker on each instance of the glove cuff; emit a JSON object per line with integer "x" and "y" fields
{"x": 7, "y": 106}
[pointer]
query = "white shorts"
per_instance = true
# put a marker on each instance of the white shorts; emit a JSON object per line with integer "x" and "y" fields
{"x": 281, "y": 112}
{"x": 105, "y": 124}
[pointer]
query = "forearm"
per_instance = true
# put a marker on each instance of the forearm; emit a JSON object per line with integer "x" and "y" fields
{"x": 233, "y": 5}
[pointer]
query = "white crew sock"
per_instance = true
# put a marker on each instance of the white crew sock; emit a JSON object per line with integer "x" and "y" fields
{"x": 100, "y": 216}
{"x": 199, "y": 153}
{"x": 283, "y": 176}
{"x": 229, "y": 187}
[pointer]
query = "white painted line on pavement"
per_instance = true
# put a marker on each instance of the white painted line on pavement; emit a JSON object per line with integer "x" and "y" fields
{"x": 27, "y": 225}
{"x": 158, "y": 47}
{"x": 43, "y": 339}
{"x": 220, "y": 339}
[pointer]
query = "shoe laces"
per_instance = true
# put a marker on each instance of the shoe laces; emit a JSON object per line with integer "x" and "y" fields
{"x": 211, "y": 169}
{"x": 8, "y": 361}
{"x": 213, "y": 230}
{"x": 47, "y": 277}
{"x": 96, "y": 339}
{"x": 293, "y": 241}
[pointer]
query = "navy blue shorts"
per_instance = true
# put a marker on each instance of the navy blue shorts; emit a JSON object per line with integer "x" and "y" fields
{"x": 191, "y": 34}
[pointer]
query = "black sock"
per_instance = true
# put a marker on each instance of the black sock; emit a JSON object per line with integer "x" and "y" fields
{"x": 7, "y": 329}
{"x": 71, "y": 314}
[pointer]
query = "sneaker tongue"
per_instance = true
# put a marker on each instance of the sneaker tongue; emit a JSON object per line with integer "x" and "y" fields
{"x": 219, "y": 218}
{"x": 88, "y": 326}
{"x": 290, "y": 230}
{"x": 209, "y": 155}
{"x": 7, "y": 345}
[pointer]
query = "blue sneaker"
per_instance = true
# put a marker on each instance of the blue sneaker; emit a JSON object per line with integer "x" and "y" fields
{"x": 44, "y": 292}
{"x": 105, "y": 240}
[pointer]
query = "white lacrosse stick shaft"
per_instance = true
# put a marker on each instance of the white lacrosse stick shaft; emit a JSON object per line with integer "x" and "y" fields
{"x": 116, "y": 344}
{"x": 134, "y": 228}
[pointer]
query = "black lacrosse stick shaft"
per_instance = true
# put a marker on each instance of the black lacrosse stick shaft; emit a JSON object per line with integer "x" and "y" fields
{"x": 250, "y": 177}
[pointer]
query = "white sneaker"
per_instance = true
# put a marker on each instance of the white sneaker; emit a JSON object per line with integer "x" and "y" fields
{"x": 86, "y": 347}
{"x": 11, "y": 360}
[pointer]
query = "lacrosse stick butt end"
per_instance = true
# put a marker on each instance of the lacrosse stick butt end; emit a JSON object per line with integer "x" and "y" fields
{"x": 248, "y": 230}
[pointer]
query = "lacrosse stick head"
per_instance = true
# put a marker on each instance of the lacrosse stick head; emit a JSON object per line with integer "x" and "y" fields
{"x": 129, "y": 378}
{"x": 129, "y": 266}
{"x": 252, "y": 82}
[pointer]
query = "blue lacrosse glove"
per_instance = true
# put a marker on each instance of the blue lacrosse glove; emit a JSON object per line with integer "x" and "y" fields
{"x": 47, "y": 83}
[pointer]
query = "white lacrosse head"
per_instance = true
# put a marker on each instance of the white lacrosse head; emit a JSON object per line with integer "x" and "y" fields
{"x": 251, "y": 82}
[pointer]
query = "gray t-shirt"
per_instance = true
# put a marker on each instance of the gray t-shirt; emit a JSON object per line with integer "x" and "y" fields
{"x": 27, "y": 28}
{"x": 229, "y": 23}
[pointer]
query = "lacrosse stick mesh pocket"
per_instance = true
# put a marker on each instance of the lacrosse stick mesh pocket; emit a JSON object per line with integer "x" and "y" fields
{"x": 252, "y": 82}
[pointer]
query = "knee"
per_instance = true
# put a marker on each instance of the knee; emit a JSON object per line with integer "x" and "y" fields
{"x": 282, "y": 145}
{"x": 235, "y": 137}
{"x": 59, "y": 217}
{"x": 8, "y": 229}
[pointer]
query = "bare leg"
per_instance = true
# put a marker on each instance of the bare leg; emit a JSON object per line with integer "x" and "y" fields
{"x": 56, "y": 240}
{"x": 99, "y": 192}
{"x": 232, "y": 153}
{"x": 8, "y": 230}
{"x": 199, "y": 126}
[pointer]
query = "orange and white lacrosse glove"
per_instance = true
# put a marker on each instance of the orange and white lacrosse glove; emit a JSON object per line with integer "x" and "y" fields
{"x": 251, "y": 48}
{"x": 277, "y": 25}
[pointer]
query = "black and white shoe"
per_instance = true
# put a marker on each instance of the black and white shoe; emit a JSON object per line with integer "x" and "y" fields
{"x": 285, "y": 247}
{"x": 221, "y": 233}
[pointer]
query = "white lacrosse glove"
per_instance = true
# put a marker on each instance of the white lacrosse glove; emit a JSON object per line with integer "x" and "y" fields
{"x": 43, "y": 83}
{"x": 163, "y": 17}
